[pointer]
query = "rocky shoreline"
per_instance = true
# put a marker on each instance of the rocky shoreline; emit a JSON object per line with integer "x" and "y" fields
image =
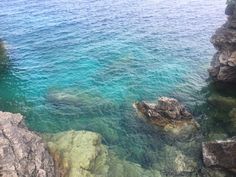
{"x": 82, "y": 154}
{"x": 223, "y": 65}
{"x": 22, "y": 152}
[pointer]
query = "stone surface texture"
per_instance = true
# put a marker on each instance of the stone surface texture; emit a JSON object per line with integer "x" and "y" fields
{"x": 22, "y": 152}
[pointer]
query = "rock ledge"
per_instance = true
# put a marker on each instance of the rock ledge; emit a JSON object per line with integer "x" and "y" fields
{"x": 22, "y": 152}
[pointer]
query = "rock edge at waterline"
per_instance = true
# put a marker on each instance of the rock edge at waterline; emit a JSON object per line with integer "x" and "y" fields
{"x": 22, "y": 152}
{"x": 168, "y": 114}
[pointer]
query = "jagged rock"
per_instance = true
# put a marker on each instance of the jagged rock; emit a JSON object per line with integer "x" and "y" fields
{"x": 169, "y": 114}
{"x": 223, "y": 65}
{"x": 229, "y": 10}
{"x": 22, "y": 152}
{"x": 81, "y": 154}
{"x": 221, "y": 154}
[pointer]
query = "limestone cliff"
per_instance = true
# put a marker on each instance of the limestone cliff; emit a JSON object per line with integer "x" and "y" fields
{"x": 223, "y": 65}
{"x": 22, "y": 152}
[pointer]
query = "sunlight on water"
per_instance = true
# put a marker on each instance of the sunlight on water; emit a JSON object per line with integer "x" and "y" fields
{"x": 81, "y": 65}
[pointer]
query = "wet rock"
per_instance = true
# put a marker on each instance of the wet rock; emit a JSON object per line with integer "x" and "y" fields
{"x": 22, "y": 152}
{"x": 229, "y": 10}
{"x": 78, "y": 154}
{"x": 168, "y": 114}
{"x": 223, "y": 65}
{"x": 81, "y": 154}
{"x": 221, "y": 154}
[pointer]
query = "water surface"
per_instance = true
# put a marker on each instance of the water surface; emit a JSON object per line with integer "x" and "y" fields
{"x": 81, "y": 64}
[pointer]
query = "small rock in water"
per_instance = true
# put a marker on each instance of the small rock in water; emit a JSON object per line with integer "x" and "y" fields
{"x": 168, "y": 114}
{"x": 221, "y": 154}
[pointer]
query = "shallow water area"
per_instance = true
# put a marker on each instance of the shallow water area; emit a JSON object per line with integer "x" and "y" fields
{"x": 82, "y": 64}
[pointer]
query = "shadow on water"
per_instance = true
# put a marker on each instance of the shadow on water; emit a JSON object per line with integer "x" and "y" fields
{"x": 217, "y": 112}
{"x": 11, "y": 98}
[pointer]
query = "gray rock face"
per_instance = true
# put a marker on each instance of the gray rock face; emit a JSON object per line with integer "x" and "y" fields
{"x": 221, "y": 154}
{"x": 223, "y": 65}
{"x": 22, "y": 152}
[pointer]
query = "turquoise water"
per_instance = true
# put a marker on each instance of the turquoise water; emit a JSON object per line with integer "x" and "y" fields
{"x": 81, "y": 64}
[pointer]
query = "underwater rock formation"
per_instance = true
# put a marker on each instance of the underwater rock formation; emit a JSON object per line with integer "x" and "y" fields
{"x": 81, "y": 154}
{"x": 222, "y": 102}
{"x": 223, "y": 65}
{"x": 221, "y": 154}
{"x": 168, "y": 114}
{"x": 22, "y": 152}
{"x": 84, "y": 102}
{"x": 3, "y": 56}
{"x": 174, "y": 162}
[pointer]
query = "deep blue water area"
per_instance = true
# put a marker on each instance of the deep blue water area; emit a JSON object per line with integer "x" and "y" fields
{"x": 81, "y": 64}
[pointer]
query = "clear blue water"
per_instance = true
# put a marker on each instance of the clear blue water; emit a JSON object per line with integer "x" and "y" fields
{"x": 109, "y": 54}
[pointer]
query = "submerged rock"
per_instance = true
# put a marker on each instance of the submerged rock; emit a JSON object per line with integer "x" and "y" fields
{"x": 78, "y": 154}
{"x": 207, "y": 172}
{"x": 220, "y": 154}
{"x": 232, "y": 116}
{"x": 83, "y": 102}
{"x": 168, "y": 114}
{"x": 223, "y": 65}
{"x": 222, "y": 102}
{"x": 81, "y": 154}
{"x": 174, "y": 162}
{"x": 3, "y": 56}
{"x": 22, "y": 152}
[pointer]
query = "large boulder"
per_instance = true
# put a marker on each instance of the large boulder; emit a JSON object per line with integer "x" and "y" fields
{"x": 220, "y": 154}
{"x": 168, "y": 114}
{"x": 22, "y": 152}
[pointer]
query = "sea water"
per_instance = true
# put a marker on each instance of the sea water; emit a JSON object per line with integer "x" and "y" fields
{"x": 81, "y": 64}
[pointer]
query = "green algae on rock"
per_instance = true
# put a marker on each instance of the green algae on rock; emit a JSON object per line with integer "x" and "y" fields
{"x": 81, "y": 154}
{"x": 222, "y": 102}
{"x": 78, "y": 153}
{"x": 168, "y": 114}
